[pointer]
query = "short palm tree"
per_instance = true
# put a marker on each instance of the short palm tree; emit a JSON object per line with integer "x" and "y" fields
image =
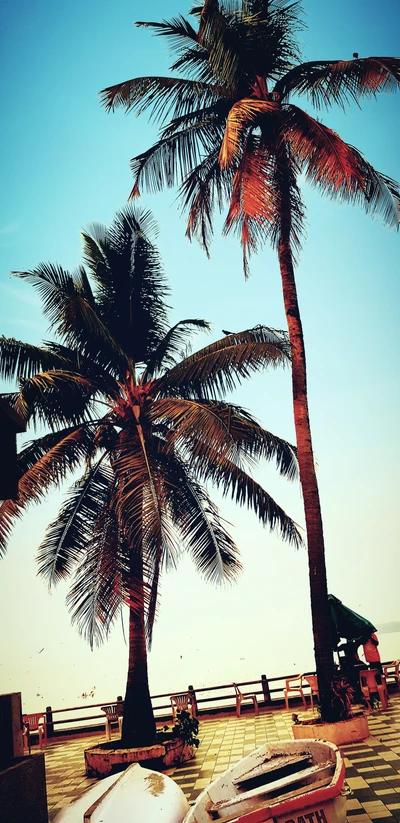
{"x": 232, "y": 134}
{"x": 148, "y": 426}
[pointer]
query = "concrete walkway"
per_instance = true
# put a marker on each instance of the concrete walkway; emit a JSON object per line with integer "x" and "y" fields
{"x": 372, "y": 767}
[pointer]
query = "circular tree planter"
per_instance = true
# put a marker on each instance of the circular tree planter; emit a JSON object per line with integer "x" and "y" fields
{"x": 107, "y": 758}
{"x": 341, "y": 732}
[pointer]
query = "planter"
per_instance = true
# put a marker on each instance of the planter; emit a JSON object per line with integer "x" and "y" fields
{"x": 340, "y": 733}
{"x": 106, "y": 758}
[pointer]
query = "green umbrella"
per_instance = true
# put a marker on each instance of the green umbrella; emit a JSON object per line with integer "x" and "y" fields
{"x": 348, "y": 624}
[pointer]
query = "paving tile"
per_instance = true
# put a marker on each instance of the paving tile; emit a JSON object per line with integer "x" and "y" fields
{"x": 372, "y": 767}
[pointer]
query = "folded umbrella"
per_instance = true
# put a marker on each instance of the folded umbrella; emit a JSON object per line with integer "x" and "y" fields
{"x": 348, "y": 624}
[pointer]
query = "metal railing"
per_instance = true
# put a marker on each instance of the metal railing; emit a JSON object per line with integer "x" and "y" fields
{"x": 208, "y": 699}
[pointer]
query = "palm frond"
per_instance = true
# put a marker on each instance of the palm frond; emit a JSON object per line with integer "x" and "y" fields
{"x": 206, "y": 185}
{"x": 244, "y": 113}
{"x": 70, "y": 311}
{"x": 244, "y": 490}
{"x": 201, "y": 527}
{"x": 68, "y": 536}
{"x": 255, "y": 200}
{"x": 44, "y": 463}
{"x": 341, "y": 82}
{"x": 170, "y": 160}
{"x": 20, "y": 360}
{"x": 221, "y": 366}
{"x": 144, "y": 512}
{"x": 130, "y": 284}
{"x": 164, "y": 97}
{"x": 54, "y": 284}
{"x": 56, "y": 398}
{"x": 171, "y": 346}
{"x": 339, "y": 169}
{"x": 98, "y": 591}
{"x": 179, "y": 31}
{"x": 251, "y": 441}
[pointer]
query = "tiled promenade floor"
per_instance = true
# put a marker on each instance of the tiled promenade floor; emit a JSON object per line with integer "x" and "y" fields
{"x": 372, "y": 767}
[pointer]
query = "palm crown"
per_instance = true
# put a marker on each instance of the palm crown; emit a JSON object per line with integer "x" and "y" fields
{"x": 231, "y": 133}
{"x": 147, "y": 425}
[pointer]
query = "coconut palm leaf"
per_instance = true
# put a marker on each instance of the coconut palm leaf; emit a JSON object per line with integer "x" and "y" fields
{"x": 68, "y": 535}
{"x": 176, "y": 30}
{"x": 137, "y": 94}
{"x": 53, "y": 284}
{"x": 170, "y": 160}
{"x": 255, "y": 200}
{"x": 221, "y": 366}
{"x": 243, "y": 489}
{"x": 199, "y": 523}
{"x": 98, "y": 591}
{"x": 252, "y": 441}
{"x": 203, "y": 532}
{"x": 339, "y": 169}
{"x": 130, "y": 285}
{"x": 341, "y": 82}
{"x": 167, "y": 352}
{"x": 71, "y": 314}
{"x": 243, "y": 114}
{"x": 42, "y": 464}
{"x": 19, "y": 360}
{"x": 53, "y": 398}
{"x": 206, "y": 185}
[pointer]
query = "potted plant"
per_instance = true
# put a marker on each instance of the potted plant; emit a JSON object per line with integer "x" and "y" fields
{"x": 180, "y": 741}
{"x": 350, "y": 726}
{"x": 172, "y": 746}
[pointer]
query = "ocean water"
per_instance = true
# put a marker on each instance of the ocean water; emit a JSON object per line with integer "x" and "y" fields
{"x": 63, "y": 675}
{"x": 227, "y": 662}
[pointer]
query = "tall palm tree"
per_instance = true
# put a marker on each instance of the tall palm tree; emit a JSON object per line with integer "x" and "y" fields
{"x": 148, "y": 427}
{"x": 230, "y": 133}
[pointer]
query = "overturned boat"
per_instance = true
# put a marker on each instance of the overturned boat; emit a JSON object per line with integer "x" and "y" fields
{"x": 291, "y": 782}
{"x": 135, "y": 794}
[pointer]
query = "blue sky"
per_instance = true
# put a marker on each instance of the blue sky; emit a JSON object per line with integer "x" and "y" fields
{"x": 65, "y": 164}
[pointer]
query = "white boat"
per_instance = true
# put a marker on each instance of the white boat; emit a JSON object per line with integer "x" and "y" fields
{"x": 135, "y": 794}
{"x": 291, "y": 782}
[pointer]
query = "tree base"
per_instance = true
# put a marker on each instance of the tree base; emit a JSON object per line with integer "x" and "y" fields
{"x": 340, "y": 733}
{"x": 107, "y": 758}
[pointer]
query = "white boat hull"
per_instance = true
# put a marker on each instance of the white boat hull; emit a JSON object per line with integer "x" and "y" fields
{"x": 135, "y": 794}
{"x": 295, "y": 782}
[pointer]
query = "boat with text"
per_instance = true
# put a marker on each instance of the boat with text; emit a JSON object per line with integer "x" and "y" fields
{"x": 290, "y": 782}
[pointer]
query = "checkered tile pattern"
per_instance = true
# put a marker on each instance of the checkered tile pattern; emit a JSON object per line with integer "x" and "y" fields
{"x": 372, "y": 767}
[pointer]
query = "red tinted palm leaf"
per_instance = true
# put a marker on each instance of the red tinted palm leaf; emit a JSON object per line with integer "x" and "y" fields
{"x": 242, "y": 115}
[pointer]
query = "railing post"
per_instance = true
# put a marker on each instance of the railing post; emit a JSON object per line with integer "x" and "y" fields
{"x": 49, "y": 722}
{"x": 194, "y": 701}
{"x": 265, "y": 688}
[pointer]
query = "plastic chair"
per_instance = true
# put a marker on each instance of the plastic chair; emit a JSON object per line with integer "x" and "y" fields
{"x": 113, "y": 714}
{"x": 294, "y": 684}
{"x": 33, "y": 723}
{"x": 312, "y": 681}
{"x": 183, "y": 703}
{"x": 373, "y": 682}
{"x": 241, "y": 698}
{"x": 391, "y": 670}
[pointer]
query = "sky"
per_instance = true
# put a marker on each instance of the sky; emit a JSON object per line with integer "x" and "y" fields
{"x": 64, "y": 164}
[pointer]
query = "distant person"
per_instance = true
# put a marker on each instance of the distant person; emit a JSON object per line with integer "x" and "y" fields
{"x": 371, "y": 653}
{"x": 350, "y": 665}
{"x": 350, "y": 654}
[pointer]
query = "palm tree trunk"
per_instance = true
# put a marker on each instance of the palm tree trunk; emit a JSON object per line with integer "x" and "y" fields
{"x": 323, "y": 646}
{"x": 138, "y": 728}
